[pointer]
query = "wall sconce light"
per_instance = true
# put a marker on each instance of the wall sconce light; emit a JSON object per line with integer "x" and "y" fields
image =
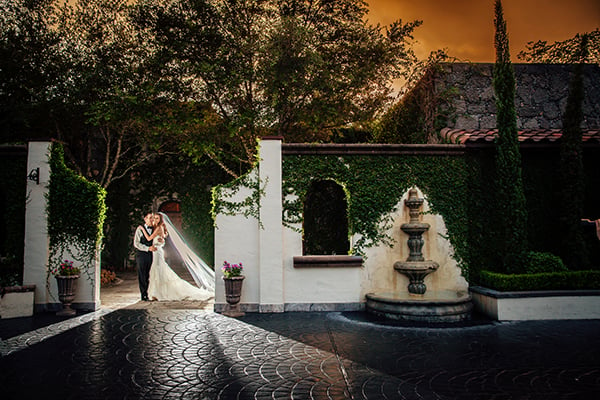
{"x": 34, "y": 175}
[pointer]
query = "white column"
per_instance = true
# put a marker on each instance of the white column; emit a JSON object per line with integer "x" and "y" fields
{"x": 271, "y": 232}
{"x": 36, "y": 224}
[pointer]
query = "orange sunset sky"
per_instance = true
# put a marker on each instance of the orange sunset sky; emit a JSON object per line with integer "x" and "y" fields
{"x": 466, "y": 27}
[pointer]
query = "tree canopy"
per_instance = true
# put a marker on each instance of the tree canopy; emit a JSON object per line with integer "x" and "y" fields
{"x": 115, "y": 78}
{"x": 294, "y": 68}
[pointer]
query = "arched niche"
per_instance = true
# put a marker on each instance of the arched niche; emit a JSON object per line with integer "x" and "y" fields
{"x": 325, "y": 224}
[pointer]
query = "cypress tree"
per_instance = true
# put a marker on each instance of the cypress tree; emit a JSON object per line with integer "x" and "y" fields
{"x": 511, "y": 208}
{"x": 574, "y": 252}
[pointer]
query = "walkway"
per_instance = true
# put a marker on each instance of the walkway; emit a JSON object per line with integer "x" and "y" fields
{"x": 155, "y": 351}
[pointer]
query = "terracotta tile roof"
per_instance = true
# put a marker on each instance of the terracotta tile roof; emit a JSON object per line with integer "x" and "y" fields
{"x": 526, "y": 136}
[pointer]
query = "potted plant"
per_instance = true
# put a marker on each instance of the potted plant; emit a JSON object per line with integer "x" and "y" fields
{"x": 233, "y": 279}
{"x": 66, "y": 278}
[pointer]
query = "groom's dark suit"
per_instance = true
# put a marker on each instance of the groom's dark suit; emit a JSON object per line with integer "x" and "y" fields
{"x": 144, "y": 262}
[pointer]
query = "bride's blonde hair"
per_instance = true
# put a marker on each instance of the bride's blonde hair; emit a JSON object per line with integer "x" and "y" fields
{"x": 161, "y": 223}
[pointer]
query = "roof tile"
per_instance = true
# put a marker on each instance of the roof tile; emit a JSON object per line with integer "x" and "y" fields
{"x": 464, "y": 136}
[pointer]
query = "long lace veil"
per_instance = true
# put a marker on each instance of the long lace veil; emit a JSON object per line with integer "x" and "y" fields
{"x": 203, "y": 274}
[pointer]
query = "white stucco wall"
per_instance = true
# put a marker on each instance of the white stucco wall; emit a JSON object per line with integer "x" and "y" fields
{"x": 236, "y": 240}
{"x": 270, "y": 235}
{"x": 317, "y": 285}
{"x": 273, "y": 283}
{"x": 35, "y": 257}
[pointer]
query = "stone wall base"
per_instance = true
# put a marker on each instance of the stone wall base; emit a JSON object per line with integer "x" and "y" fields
{"x": 537, "y": 305}
{"x": 293, "y": 307}
{"x": 53, "y": 307}
{"x": 17, "y": 303}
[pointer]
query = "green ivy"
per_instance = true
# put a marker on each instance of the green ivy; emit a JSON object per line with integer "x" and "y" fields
{"x": 375, "y": 185}
{"x": 249, "y": 206}
{"x": 76, "y": 211}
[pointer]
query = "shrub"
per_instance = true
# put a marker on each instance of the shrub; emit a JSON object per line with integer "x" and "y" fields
{"x": 564, "y": 280}
{"x": 11, "y": 273}
{"x": 543, "y": 262}
{"x": 107, "y": 277}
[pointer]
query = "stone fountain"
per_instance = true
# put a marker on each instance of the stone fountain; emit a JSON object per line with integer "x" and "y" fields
{"x": 419, "y": 304}
{"x": 415, "y": 266}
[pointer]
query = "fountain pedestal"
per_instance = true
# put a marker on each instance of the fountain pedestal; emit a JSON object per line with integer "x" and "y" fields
{"x": 416, "y": 272}
{"x": 419, "y": 304}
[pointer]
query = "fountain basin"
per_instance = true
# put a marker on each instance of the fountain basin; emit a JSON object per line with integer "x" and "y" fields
{"x": 432, "y": 306}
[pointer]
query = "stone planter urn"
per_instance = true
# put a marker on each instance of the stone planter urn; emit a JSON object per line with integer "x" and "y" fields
{"x": 66, "y": 293}
{"x": 233, "y": 293}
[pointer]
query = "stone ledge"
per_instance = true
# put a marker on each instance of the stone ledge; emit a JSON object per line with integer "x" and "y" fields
{"x": 294, "y": 307}
{"x": 327, "y": 261}
{"x": 339, "y": 307}
{"x": 537, "y": 305}
{"x": 532, "y": 293}
{"x": 17, "y": 301}
{"x": 245, "y": 307}
{"x": 16, "y": 289}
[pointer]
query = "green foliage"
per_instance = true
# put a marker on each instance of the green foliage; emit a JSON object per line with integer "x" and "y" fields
{"x": 571, "y": 169}
{"x": 563, "y": 52}
{"x": 570, "y": 280}
{"x": 374, "y": 186}
{"x": 76, "y": 211}
{"x": 11, "y": 271}
{"x": 512, "y": 212}
{"x": 538, "y": 262}
{"x": 423, "y": 111}
{"x": 296, "y": 68}
{"x": 166, "y": 177}
{"x": 248, "y": 206}
{"x": 198, "y": 224}
{"x": 27, "y": 64}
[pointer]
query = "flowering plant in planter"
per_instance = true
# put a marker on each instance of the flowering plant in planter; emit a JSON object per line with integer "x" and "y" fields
{"x": 231, "y": 270}
{"x": 65, "y": 268}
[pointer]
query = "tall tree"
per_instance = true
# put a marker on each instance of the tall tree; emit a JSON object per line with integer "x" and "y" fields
{"x": 103, "y": 90}
{"x": 27, "y": 64}
{"x": 296, "y": 68}
{"x": 574, "y": 251}
{"x": 511, "y": 205}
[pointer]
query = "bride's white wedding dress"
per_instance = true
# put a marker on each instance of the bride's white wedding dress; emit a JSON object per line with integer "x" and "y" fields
{"x": 165, "y": 284}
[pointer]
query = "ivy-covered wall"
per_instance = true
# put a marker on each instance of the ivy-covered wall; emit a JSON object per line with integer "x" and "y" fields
{"x": 458, "y": 187}
{"x": 76, "y": 211}
{"x": 375, "y": 185}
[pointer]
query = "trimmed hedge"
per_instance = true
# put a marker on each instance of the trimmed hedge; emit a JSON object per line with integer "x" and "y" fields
{"x": 566, "y": 280}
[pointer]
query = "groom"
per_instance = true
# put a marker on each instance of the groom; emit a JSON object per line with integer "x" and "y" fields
{"x": 143, "y": 255}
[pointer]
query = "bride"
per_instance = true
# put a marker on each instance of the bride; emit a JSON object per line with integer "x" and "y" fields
{"x": 164, "y": 283}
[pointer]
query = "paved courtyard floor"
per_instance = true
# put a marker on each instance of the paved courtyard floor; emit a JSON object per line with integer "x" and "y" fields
{"x": 135, "y": 350}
